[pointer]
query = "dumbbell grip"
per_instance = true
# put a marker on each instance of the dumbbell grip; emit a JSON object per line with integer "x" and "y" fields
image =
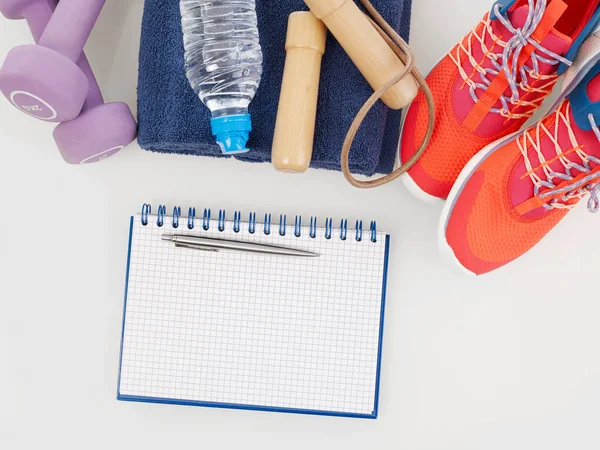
{"x": 37, "y": 19}
{"x": 70, "y": 26}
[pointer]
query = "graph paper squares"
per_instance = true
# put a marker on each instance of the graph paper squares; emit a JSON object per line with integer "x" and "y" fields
{"x": 266, "y": 332}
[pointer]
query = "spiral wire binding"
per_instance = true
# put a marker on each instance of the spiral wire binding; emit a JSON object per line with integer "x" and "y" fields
{"x": 359, "y": 230}
{"x": 282, "y": 225}
{"x": 146, "y": 211}
{"x": 191, "y": 218}
{"x": 176, "y": 216}
{"x": 162, "y": 211}
{"x": 237, "y": 223}
{"x": 267, "y": 224}
{"x": 222, "y": 220}
{"x": 298, "y": 226}
{"x": 374, "y": 232}
{"x": 328, "y": 228}
{"x": 313, "y": 227}
{"x": 344, "y": 230}
{"x": 252, "y": 223}
{"x": 206, "y": 220}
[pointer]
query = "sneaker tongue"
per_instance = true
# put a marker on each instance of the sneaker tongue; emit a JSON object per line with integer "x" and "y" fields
{"x": 585, "y": 101}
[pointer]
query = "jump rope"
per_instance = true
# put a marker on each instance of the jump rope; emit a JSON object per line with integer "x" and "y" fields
{"x": 402, "y": 50}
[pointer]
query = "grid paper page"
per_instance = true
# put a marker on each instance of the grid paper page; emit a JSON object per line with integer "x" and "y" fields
{"x": 252, "y": 330}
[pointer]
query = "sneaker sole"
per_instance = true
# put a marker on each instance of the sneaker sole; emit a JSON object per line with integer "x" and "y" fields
{"x": 419, "y": 193}
{"x": 407, "y": 180}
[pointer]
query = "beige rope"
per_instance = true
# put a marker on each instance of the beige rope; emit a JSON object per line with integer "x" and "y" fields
{"x": 401, "y": 48}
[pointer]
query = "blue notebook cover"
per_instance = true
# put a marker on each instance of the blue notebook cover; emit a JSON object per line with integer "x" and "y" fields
{"x": 249, "y": 331}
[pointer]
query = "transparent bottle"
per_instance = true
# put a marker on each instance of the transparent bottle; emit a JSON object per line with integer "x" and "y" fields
{"x": 223, "y": 61}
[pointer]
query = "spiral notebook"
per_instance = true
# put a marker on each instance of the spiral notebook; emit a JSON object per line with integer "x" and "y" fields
{"x": 252, "y": 331}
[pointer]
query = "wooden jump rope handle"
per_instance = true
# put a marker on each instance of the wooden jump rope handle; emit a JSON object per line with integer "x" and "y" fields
{"x": 356, "y": 33}
{"x": 296, "y": 117}
{"x": 367, "y": 48}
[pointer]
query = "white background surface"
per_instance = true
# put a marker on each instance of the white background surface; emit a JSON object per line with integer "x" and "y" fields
{"x": 510, "y": 360}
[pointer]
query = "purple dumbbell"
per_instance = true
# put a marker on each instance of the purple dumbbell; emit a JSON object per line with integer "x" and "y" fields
{"x": 44, "y": 79}
{"x": 101, "y": 130}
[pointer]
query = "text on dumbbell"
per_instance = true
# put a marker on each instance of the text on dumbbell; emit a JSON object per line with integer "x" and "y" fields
{"x": 32, "y": 108}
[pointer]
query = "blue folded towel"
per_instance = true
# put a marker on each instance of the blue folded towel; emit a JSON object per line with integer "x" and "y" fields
{"x": 173, "y": 120}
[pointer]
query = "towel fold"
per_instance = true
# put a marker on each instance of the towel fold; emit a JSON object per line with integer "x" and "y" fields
{"x": 172, "y": 119}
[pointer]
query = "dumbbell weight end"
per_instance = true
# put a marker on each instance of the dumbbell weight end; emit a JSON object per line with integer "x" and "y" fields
{"x": 96, "y": 134}
{"x": 43, "y": 84}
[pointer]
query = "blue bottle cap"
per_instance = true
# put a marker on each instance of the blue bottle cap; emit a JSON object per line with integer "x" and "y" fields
{"x": 232, "y": 133}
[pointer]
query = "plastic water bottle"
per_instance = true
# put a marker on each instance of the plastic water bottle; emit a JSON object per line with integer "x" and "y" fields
{"x": 223, "y": 60}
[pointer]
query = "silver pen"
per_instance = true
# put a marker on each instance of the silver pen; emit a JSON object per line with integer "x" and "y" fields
{"x": 215, "y": 245}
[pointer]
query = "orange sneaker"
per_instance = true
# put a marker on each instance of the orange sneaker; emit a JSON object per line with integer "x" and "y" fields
{"x": 512, "y": 193}
{"x": 491, "y": 83}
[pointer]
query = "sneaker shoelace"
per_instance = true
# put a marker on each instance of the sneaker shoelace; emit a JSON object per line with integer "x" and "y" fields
{"x": 562, "y": 190}
{"x": 508, "y": 62}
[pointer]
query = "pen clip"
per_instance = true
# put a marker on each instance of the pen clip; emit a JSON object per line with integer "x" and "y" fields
{"x": 197, "y": 247}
